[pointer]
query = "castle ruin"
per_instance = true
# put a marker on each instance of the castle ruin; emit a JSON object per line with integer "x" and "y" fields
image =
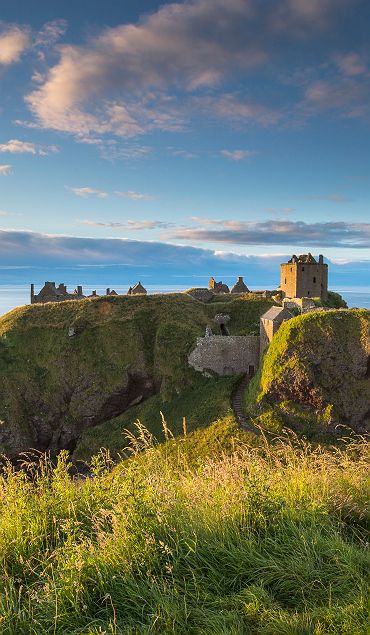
{"x": 51, "y": 293}
{"x": 304, "y": 277}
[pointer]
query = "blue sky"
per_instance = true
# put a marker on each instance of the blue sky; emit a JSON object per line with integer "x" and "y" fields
{"x": 239, "y": 127}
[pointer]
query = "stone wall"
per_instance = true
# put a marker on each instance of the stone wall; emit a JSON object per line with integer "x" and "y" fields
{"x": 226, "y": 355}
{"x": 267, "y": 332}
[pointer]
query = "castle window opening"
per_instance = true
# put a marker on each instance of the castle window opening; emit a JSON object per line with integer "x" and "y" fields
{"x": 285, "y": 281}
{"x": 302, "y": 268}
{"x": 314, "y": 278}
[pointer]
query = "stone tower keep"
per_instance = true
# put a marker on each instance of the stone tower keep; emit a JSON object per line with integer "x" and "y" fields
{"x": 304, "y": 277}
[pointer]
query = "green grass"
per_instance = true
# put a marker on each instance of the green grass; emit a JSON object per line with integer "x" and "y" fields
{"x": 313, "y": 375}
{"x": 51, "y": 383}
{"x": 207, "y": 534}
{"x": 200, "y": 404}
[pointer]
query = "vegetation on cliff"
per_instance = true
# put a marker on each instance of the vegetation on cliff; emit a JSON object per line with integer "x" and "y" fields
{"x": 315, "y": 375}
{"x": 203, "y": 534}
{"x": 67, "y": 367}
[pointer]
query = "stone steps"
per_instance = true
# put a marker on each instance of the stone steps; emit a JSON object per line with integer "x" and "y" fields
{"x": 237, "y": 404}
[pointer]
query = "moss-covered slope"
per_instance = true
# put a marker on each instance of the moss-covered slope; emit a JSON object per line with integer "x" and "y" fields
{"x": 316, "y": 374}
{"x": 66, "y": 367}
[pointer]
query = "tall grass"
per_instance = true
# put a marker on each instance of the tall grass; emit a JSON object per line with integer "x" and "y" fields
{"x": 268, "y": 540}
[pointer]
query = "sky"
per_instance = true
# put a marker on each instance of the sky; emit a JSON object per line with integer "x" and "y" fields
{"x": 205, "y": 129}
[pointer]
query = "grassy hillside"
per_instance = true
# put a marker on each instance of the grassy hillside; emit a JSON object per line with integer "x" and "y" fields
{"x": 67, "y": 367}
{"x": 197, "y": 406}
{"x": 315, "y": 375}
{"x": 203, "y": 534}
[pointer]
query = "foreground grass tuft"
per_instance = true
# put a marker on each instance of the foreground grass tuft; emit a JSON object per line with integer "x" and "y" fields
{"x": 257, "y": 540}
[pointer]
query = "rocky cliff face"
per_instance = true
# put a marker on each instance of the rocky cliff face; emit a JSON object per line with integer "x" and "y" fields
{"x": 316, "y": 373}
{"x": 69, "y": 366}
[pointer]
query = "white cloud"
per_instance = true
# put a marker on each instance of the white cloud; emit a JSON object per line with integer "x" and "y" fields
{"x": 333, "y": 198}
{"x": 351, "y": 64}
{"x": 238, "y": 155}
{"x": 346, "y": 95}
{"x": 5, "y": 213}
{"x": 5, "y": 170}
{"x": 84, "y": 192}
{"x": 237, "y": 109}
{"x": 15, "y": 146}
{"x": 130, "y": 225}
{"x": 277, "y": 232}
{"x": 111, "y": 149}
{"x": 134, "y": 196}
{"x": 127, "y": 71}
{"x": 184, "y": 154}
{"x": 14, "y": 41}
{"x": 50, "y": 33}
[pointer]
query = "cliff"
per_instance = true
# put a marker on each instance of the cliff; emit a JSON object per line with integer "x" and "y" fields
{"x": 68, "y": 367}
{"x": 315, "y": 375}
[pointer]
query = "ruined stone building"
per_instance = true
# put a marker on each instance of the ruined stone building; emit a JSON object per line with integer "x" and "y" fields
{"x": 217, "y": 287}
{"x": 270, "y": 323}
{"x": 240, "y": 286}
{"x": 221, "y": 287}
{"x": 51, "y": 293}
{"x": 235, "y": 354}
{"x": 137, "y": 289}
{"x": 303, "y": 276}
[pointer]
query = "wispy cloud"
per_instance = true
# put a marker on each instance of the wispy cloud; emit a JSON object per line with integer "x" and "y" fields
{"x": 277, "y": 232}
{"x": 5, "y": 170}
{"x": 333, "y": 198}
{"x": 85, "y": 192}
{"x": 160, "y": 262}
{"x": 15, "y": 146}
{"x": 134, "y": 196}
{"x": 184, "y": 154}
{"x": 352, "y": 64}
{"x": 345, "y": 96}
{"x": 129, "y": 225}
{"x": 234, "y": 108}
{"x": 238, "y": 155}
{"x": 14, "y": 40}
{"x": 280, "y": 211}
{"x": 50, "y": 33}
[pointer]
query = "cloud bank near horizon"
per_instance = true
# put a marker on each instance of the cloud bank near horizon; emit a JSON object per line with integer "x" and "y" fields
{"x": 154, "y": 260}
{"x": 276, "y": 232}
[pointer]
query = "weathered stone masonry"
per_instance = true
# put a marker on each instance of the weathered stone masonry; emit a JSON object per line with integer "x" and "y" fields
{"x": 226, "y": 355}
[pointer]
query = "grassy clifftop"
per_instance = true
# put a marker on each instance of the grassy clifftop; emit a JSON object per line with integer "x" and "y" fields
{"x": 316, "y": 374}
{"x": 204, "y": 534}
{"x": 66, "y": 367}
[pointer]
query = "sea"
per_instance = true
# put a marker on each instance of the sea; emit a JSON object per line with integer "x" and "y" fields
{"x": 14, "y": 295}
